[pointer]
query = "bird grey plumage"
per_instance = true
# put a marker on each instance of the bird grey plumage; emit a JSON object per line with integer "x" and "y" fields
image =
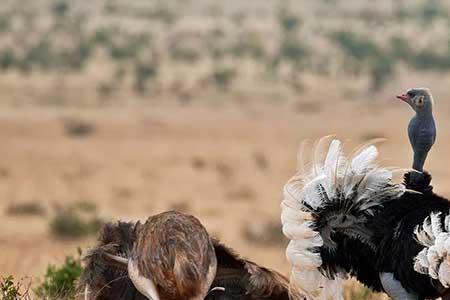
{"x": 421, "y": 128}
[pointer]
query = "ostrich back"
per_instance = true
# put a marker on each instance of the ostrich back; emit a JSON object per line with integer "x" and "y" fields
{"x": 394, "y": 229}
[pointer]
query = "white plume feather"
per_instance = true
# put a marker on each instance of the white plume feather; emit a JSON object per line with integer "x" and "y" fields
{"x": 434, "y": 259}
{"x": 329, "y": 176}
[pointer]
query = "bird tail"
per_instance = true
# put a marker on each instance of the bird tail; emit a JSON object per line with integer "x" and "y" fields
{"x": 433, "y": 260}
{"x": 330, "y": 194}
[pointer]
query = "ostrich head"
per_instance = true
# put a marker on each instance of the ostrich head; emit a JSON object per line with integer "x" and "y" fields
{"x": 420, "y": 99}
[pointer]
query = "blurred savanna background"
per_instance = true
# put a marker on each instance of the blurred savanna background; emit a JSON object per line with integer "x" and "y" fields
{"x": 114, "y": 109}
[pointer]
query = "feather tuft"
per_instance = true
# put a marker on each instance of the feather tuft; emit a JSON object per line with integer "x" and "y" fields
{"x": 354, "y": 187}
{"x": 434, "y": 259}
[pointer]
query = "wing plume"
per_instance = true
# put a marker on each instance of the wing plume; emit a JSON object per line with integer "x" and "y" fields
{"x": 331, "y": 194}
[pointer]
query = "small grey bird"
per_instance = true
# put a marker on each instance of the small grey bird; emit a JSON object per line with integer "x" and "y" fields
{"x": 421, "y": 128}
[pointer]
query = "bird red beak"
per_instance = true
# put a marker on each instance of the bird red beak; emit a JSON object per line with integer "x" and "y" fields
{"x": 404, "y": 97}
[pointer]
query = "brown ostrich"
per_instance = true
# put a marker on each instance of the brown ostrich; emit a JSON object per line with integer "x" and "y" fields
{"x": 171, "y": 256}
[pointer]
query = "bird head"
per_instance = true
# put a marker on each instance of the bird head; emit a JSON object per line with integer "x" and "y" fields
{"x": 420, "y": 99}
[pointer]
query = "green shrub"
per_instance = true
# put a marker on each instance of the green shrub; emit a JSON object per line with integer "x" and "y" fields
{"x": 9, "y": 289}
{"x": 7, "y": 58}
{"x": 104, "y": 36}
{"x": 381, "y": 71}
{"x": 74, "y": 221}
{"x": 60, "y": 282}
{"x": 293, "y": 51}
{"x": 86, "y": 206}
{"x": 78, "y": 56}
{"x": 355, "y": 46}
{"x": 400, "y": 49}
{"x": 216, "y": 43}
{"x": 60, "y": 8}
{"x": 363, "y": 54}
{"x": 249, "y": 45}
{"x": 40, "y": 55}
{"x": 129, "y": 46}
{"x": 26, "y": 209}
{"x": 222, "y": 77}
{"x": 288, "y": 21}
{"x": 184, "y": 53}
{"x": 430, "y": 10}
{"x": 429, "y": 60}
{"x": 77, "y": 127}
{"x": 5, "y": 22}
{"x": 163, "y": 14}
{"x": 144, "y": 71}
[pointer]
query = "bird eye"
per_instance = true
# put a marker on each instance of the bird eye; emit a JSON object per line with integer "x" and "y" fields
{"x": 411, "y": 94}
{"x": 419, "y": 101}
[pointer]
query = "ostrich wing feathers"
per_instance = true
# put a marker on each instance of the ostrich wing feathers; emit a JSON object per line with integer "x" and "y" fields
{"x": 334, "y": 194}
{"x": 434, "y": 258}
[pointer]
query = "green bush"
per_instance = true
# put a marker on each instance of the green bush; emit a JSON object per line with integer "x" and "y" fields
{"x": 363, "y": 54}
{"x": 249, "y": 45}
{"x": 60, "y": 282}
{"x": 74, "y": 221}
{"x": 7, "y": 58}
{"x": 9, "y": 289}
{"x": 5, "y": 22}
{"x": 293, "y": 51}
{"x": 143, "y": 72}
{"x": 77, "y": 127}
{"x": 430, "y": 10}
{"x": 355, "y": 46}
{"x": 184, "y": 53}
{"x": 163, "y": 14}
{"x": 288, "y": 21}
{"x": 104, "y": 36}
{"x": 26, "y": 209}
{"x": 400, "y": 49}
{"x": 381, "y": 71}
{"x": 222, "y": 77}
{"x": 40, "y": 55}
{"x": 129, "y": 46}
{"x": 429, "y": 60}
{"x": 60, "y": 8}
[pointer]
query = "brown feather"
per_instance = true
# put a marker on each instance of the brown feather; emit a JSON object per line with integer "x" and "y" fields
{"x": 175, "y": 251}
{"x": 255, "y": 281}
{"x": 107, "y": 279}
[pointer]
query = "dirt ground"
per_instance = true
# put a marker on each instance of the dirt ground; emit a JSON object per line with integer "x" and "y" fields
{"x": 224, "y": 164}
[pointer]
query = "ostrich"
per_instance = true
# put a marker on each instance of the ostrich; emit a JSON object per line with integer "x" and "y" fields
{"x": 175, "y": 253}
{"x": 345, "y": 216}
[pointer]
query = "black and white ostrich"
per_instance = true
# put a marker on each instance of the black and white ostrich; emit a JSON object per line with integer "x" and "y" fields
{"x": 345, "y": 217}
{"x": 170, "y": 257}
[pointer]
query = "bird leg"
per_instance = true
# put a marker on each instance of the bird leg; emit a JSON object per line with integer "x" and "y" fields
{"x": 394, "y": 288}
{"x": 86, "y": 292}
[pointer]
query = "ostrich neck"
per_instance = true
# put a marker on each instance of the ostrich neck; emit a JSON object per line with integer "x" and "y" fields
{"x": 422, "y": 122}
{"x": 424, "y": 114}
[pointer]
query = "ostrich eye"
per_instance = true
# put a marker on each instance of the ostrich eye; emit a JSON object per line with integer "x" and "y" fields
{"x": 419, "y": 101}
{"x": 411, "y": 94}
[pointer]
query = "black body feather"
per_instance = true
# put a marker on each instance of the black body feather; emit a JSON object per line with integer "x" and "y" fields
{"x": 392, "y": 232}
